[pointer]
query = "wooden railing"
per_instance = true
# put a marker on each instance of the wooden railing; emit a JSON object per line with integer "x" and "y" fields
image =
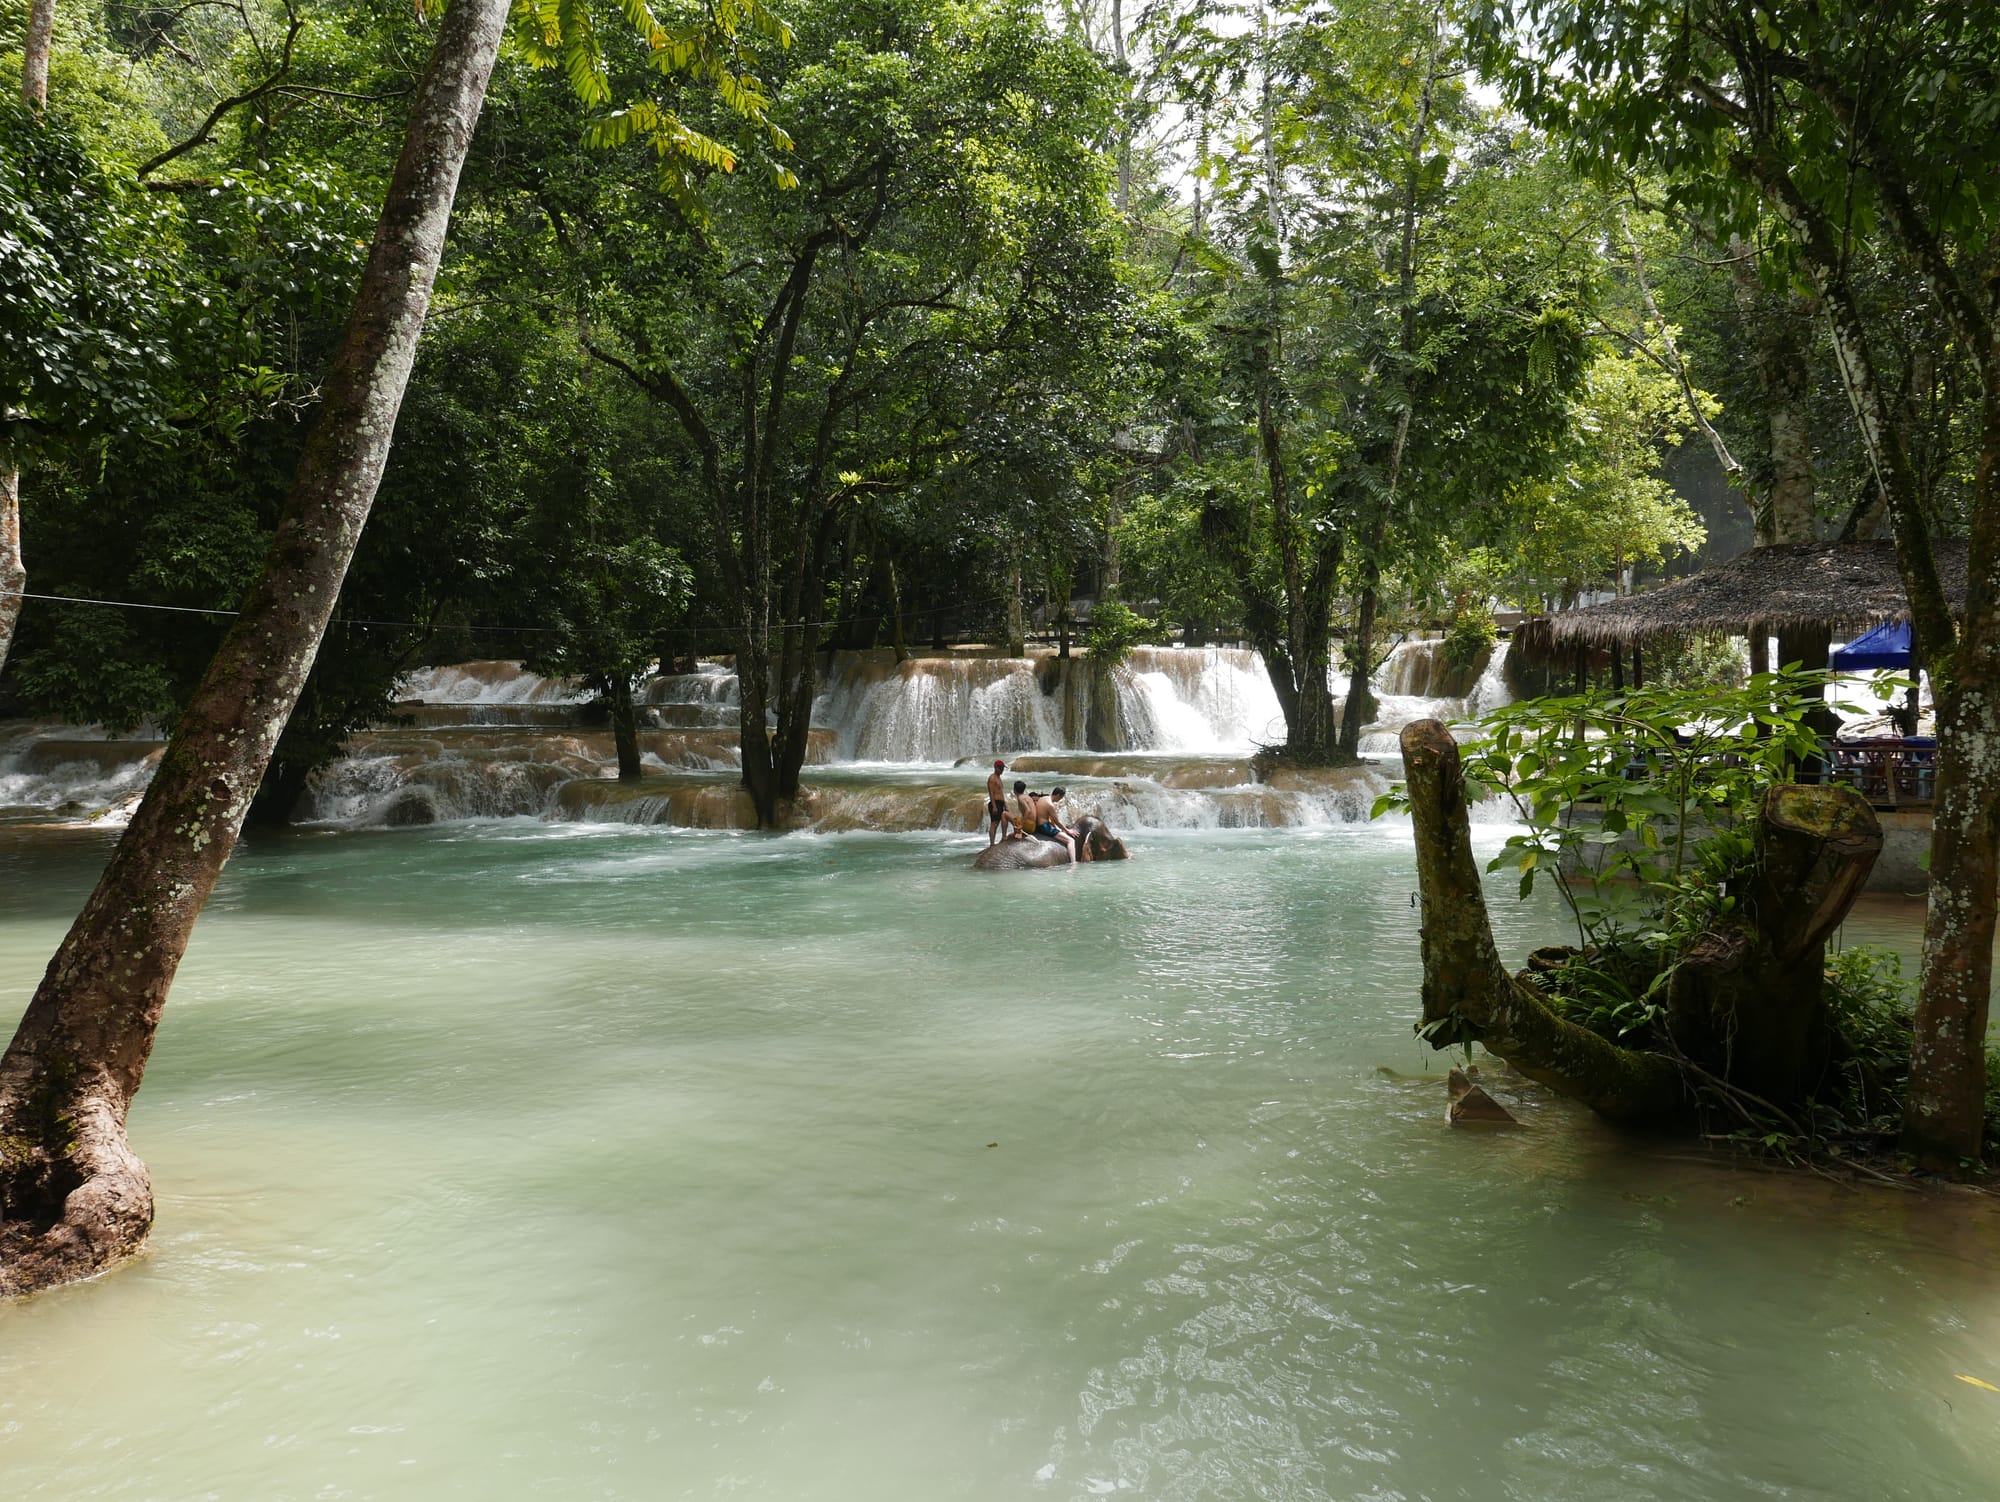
{"x": 1889, "y": 773}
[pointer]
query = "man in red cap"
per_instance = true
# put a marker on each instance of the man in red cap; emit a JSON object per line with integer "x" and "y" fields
{"x": 996, "y": 804}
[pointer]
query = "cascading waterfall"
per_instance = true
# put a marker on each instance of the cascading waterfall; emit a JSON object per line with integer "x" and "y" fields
{"x": 941, "y": 709}
{"x": 1173, "y": 729}
{"x": 1418, "y": 683}
{"x": 492, "y": 682}
{"x": 937, "y": 709}
{"x": 73, "y": 774}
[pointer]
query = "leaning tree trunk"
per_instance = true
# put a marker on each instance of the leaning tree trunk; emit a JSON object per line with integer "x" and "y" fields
{"x": 1468, "y": 995}
{"x": 74, "y": 1197}
{"x": 1743, "y": 1006}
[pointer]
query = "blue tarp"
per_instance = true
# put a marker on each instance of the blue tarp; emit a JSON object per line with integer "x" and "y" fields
{"x": 1887, "y": 646}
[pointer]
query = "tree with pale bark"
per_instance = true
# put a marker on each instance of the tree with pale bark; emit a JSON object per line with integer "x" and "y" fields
{"x": 1847, "y": 124}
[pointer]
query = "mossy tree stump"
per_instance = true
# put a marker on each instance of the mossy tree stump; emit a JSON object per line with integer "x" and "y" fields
{"x": 1745, "y": 1005}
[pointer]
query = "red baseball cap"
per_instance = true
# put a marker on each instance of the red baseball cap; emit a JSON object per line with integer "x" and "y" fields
{"x": 999, "y": 765}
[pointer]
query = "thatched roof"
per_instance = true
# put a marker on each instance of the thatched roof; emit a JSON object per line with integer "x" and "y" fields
{"x": 1843, "y": 586}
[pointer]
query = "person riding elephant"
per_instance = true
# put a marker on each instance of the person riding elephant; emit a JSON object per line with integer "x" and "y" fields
{"x": 1090, "y": 833}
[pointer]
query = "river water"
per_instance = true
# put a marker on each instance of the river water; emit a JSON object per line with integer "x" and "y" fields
{"x": 529, "y": 1159}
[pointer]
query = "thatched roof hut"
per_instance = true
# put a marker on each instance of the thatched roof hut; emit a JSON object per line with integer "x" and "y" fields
{"x": 1837, "y": 586}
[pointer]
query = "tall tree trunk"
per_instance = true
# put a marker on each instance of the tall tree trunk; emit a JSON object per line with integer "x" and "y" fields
{"x": 1017, "y": 620}
{"x": 1361, "y": 667}
{"x": 1113, "y": 555}
{"x": 1302, "y": 655}
{"x": 896, "y": 610}
{"x": 1118, "y": 58}
{"x": 798, "y": 663}
{"x": 1946, "y": 1102}
{"x": 753, "y": 723}
{"x": 13, "y": 571}
{"x": 624, "y": 727}
{"x": 74, "y": 1197}
{"x": 35, "y": 47}
{"x": 1780, "y": 326}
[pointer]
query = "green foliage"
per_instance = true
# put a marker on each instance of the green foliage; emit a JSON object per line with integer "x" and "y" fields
{"x": 608, "y": 610}
{"x": 1115, "y": 629}
{"x": 1703, "y": 662}
{"x": 90, "y": 671}
{"x": 1616, "y": 990}
{"x": 1470, "y": 636}
{"x": 84, "y": 309}
{"x": 1605, "y": 509}
{"x": 1869, "y": 1003}
{"x": 1665, "y": 771}
{"x": 706, "y": 48}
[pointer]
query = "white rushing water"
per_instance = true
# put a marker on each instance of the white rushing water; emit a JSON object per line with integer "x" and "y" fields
{"x": 490, "y": 682}
{"x": 484, "y": 740}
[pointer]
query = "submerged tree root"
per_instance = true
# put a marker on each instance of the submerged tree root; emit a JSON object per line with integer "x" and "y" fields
{"x": 71, "y": 1210}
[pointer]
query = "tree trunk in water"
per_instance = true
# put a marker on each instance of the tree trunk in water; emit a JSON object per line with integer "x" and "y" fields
{"x": 35, "y": 47}
{"x": 1354, "y": 714}
{"x": 753, "y": 688}
{"x": 1754, "y": 1008}
{"x": 1311, "y": 731}
{"x": 73, "y": 1195}
{"x": 1361, "y": 669}
{"x": 1746, "y": 1008}
{"x": 13, "y": 571}
{"x": 1468, "y": 995}
{"x": 800, "y": 686}
{"x": 625, "y": 728}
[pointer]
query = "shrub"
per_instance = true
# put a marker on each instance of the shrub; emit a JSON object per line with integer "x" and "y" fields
{"x": 1115, "y": 629}
{"x": 1705, "y": 662}
{"x": 1472, "y": 634}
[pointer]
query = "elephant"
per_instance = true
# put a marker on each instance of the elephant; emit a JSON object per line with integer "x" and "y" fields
{"x": 1033, "y": 854}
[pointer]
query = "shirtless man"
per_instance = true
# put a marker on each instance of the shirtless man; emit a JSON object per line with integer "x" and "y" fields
{"x": 1022, "y": 814}
{"x": 996, "y": 804}
{"x": 1048, "y": 822}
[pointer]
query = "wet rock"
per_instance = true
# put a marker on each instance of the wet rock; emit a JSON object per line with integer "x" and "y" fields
{"x": 410, "y": 809}
{"x": 1471, "y": 1105}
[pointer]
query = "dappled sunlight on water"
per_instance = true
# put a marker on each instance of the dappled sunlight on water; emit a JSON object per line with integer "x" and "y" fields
{"x": 522, "y": 1159}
